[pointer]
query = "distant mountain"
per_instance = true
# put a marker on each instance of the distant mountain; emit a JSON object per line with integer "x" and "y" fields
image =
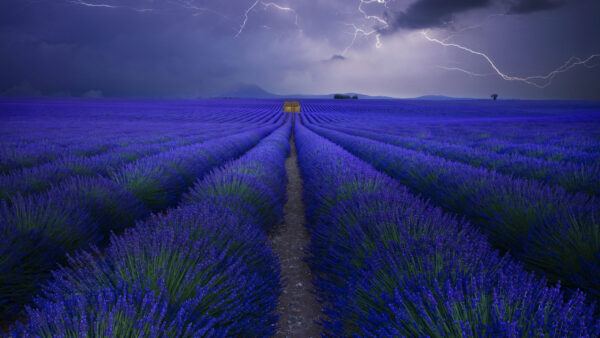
{"x": 248, "y": 91}
{"x": 253, "y": 91}
{"x": 439, "y": 98}
{"x": 330, "y": 96}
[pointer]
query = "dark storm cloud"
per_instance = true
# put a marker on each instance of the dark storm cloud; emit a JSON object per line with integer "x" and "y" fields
{"x": 423, "y": 14}
{"x": 189, "y": 48}
{"x": 337, "y": 57}
{"x": 179, "y": 48}
{"x": 57, "y": 48}
{"x": 531, "y": 6}
{"x": 431, "y": 13}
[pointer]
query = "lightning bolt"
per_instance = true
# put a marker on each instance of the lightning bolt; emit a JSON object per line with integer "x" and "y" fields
{"x": 185, "y": 4}
{"x": 265, "y": 5}
{"x": 372, "y": 17}
{"x": 359, "y": 31}
{"x": 466, "y": 71}
{"x": 243, "y": 25}
{"x": 104, "y": 5}
{"x": 88, "y": 4}
{"x": 472, "y": 27}
{"x": 189, "y": 4}
{"x": 380, "y": 23}
{"x": 539, "y": 81}
{"x": 369, "y": 17}
{"x": 281, "y": 8}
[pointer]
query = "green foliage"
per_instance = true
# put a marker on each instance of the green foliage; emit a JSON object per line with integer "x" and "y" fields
{"x": 341, "y": 97}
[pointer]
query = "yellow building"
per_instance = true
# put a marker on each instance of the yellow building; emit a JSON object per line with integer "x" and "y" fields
{"x": 291, "y": 107}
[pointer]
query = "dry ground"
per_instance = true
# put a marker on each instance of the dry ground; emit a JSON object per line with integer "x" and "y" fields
{"x": 298, "y": 308}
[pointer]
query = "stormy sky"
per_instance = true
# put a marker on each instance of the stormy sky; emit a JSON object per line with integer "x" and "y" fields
{"x": 202, "y": 48}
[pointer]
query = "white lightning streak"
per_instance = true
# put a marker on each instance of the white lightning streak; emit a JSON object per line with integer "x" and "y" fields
{"x": 539, "y": 81}
{"x": 189, "y": 4}
{"x": 185, "y": 4}
{"x": 467, "y": 28}
{"x": 281, "y": 8}
{"x": 103, "y": 5}
{"x": 243, "y": 25}
{"x": 372, "y": 17}
{"x": 360, "y": 31}
{"x": 466, "y": 71}
{"x": 89, "y": 4}
{"x": 265, "y": 5}
{"x": 546, "y": 79}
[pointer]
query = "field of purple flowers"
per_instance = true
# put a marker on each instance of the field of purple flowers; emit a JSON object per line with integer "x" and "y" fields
{"x": 152, "y": 218}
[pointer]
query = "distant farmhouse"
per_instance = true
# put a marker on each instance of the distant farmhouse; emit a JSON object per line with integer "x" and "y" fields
{"x": 291, "y": 107}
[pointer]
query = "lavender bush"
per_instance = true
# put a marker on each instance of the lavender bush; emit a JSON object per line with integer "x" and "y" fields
{"x": 573, "y": 177}
{"x": 389, "y": 264}
{"x": 203, "y": 269}
{"x": 550, "y": 230}
{"x": 82, "y": 211}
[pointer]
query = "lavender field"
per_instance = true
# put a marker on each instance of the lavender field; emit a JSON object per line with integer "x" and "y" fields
{"x": 150, "y": 218}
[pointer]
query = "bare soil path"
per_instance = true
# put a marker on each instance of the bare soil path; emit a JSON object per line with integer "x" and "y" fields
{"x": 298, "y": 308}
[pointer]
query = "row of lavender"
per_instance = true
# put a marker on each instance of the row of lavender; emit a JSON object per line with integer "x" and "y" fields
{"x": 574, "y": 177}
{"x": 83, "y": 207}
{"x": 550, "y": 138}
{"x": 390, "y": 264}
{"x": 572, "y": 139}
{"x": 25, "y": 150}
{"x": 202, "y": 269}
{"x": 19, "y": 157}
{"x": 39, "y": 178}
{"x": 549, "y": 229}
{"x": 69, "y": 123}
{"x": 453, "y": 133}
{"x": 549, "y": 127}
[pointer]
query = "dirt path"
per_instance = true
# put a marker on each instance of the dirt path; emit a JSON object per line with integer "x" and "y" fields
{"x": 298, "y": 308}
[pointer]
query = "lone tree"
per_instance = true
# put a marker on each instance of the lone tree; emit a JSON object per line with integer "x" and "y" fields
{"x": 494, "y": 96}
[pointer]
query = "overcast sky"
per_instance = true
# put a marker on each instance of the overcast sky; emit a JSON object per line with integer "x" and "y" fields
{"x": 199, "y": 48}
